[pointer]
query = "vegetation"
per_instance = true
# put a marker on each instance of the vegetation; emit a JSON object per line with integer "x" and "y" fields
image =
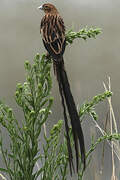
{"x": 28, "y": 157}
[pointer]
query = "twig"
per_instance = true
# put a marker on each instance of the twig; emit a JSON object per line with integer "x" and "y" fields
{"x": 3, "y": 177}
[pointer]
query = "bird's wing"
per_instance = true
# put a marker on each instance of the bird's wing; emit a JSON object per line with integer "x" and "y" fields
{"x": 53, "y": 34}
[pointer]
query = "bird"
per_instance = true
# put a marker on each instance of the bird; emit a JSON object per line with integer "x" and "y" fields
{"x": 52, "y": 30}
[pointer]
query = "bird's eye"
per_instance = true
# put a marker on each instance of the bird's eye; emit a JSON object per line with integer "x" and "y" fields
{"x": 47, "y": 8}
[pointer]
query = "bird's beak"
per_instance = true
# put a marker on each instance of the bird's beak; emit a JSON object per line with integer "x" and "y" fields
{"x": 40, "y": 7}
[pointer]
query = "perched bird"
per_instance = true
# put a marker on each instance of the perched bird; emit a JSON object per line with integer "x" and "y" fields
{"x": 52, "y": 29}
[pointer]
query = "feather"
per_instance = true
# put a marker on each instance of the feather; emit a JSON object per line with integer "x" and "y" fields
{"x": 53, "y": 35}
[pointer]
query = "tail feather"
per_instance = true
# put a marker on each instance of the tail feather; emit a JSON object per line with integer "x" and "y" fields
{"x": 66, "y": 127}
{"x": 66, "y": 94}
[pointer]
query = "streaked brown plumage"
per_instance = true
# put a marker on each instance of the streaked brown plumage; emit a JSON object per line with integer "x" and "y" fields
{"x": 52, "y": 30}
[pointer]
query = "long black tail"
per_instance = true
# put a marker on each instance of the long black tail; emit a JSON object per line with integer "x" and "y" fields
{"x": 66, "y": 95}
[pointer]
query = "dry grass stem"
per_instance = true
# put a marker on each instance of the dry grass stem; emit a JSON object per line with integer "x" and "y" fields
{"x": 3, "y": 177}
{"x": 113, "y": 127}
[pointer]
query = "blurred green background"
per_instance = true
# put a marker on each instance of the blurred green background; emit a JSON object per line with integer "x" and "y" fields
{"x": 88, "y": 63}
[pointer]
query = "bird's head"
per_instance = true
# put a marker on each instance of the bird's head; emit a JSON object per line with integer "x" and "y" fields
{"x": 48, "y": 8}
